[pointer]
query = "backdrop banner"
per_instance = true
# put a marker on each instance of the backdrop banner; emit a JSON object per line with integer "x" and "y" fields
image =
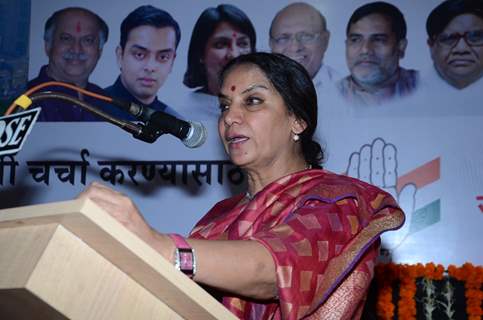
{"x": 424, "y": 147}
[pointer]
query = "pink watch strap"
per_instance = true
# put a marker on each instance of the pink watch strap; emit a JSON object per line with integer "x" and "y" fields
{"x": 184, "y": 255}
{"x": 179, "y": 241}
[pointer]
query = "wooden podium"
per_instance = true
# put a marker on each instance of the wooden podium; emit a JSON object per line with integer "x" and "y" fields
{"x": 71, "y": 260}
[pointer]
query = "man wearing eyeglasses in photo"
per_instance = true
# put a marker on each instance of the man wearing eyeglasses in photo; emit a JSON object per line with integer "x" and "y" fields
{"x": 455, "y": 39}
{"x": 375, "y": 44}
{"x": 299, "y": 31}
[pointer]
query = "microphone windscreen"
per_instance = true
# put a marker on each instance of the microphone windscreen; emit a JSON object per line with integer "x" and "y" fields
{"x": 196, "y": 135}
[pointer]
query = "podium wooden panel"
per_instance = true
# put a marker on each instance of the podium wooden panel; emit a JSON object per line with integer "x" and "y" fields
{"x": 71, "y": 260}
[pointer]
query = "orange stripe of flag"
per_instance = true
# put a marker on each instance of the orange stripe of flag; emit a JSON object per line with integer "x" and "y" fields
{"x": 421, "y": 176}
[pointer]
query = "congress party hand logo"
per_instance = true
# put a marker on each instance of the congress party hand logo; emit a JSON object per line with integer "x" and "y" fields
{"x": 377, "y": 164}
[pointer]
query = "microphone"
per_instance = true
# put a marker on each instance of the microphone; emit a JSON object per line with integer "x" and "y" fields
{"x": 191, "y": 133}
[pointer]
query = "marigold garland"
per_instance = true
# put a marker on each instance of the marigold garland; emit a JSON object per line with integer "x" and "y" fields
{"x": 473, "y": 278}
{"x": 385, "y": 276}
{"x": 407, "y": 291}
{"x": 388, "y": 274}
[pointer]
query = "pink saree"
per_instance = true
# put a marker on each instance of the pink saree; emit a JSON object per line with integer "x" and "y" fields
{"x": 322, "y": 230}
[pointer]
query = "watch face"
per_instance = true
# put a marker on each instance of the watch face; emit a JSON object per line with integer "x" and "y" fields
{"x": 185, "y": 261}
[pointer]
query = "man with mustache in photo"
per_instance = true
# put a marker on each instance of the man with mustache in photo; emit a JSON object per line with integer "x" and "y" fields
{"x": 73, "y": 38}
{"x": 376, "y": 41}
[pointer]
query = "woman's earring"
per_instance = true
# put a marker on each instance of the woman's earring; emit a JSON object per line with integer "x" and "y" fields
{"x": 296, "y": 137}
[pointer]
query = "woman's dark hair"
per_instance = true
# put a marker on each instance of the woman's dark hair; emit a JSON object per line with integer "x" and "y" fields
{"x": 210, "y": 18}
{"x": 297, "y": 90}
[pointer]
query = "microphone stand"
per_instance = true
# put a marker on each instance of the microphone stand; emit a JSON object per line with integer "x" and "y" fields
{"x": 142, "y": 132}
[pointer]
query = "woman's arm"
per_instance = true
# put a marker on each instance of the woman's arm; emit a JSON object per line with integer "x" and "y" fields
{"x": 241, "y": 267}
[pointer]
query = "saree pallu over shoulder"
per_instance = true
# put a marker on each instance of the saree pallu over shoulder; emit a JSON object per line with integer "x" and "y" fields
{"x": 322, "y": 230}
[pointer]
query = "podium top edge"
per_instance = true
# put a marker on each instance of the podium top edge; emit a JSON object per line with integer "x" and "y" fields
{"x": 60, "y": 208}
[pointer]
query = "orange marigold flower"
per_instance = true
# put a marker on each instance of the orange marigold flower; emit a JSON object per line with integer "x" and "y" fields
{"x": 439, "y": 272}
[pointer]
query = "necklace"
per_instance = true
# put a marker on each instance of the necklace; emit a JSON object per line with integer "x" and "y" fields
{"x": 250, "y": 196}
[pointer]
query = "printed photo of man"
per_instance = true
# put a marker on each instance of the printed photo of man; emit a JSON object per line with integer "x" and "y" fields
{"x": 455, "y": 39}
{"x": 299, "y": 31}
{"x": 375, "y": 44}
{"x": 73, "y": 38}
{"x": 145, "y": 56}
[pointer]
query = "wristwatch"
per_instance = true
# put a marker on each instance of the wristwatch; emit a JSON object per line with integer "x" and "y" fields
{"x": 185, "y": 260}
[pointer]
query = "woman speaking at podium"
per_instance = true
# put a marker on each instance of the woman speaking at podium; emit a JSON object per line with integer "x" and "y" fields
{"x": 302, "y": 241}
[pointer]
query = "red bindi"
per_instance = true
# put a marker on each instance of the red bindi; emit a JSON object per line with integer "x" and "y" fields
{"x": 78, "y": 27}
{"x": 233, "y": 88}
{"x": 234, "y": 35}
